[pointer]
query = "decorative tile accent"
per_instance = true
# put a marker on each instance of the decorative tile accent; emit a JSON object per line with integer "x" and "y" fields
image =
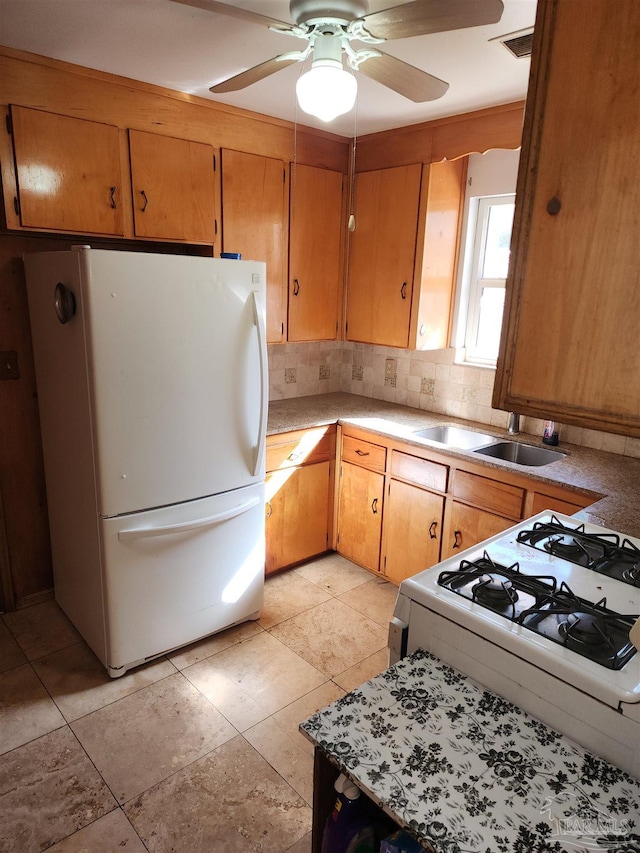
{"x": 324, "y": 371}
{"x": 290, "y": 375}
{"x": 357, "y": 372}
{"x": 390, "y": 368}
{"x": 427, "y": 386}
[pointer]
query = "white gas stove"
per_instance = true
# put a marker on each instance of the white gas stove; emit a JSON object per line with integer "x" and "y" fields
{"x": 540, "y": 614}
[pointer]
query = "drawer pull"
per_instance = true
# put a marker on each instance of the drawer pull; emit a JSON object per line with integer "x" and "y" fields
{"x": 457, "y": 538}
{"x": 294, "y": 455}
{"x": 362, "y": 452}
{"x": 432, "y": 529}
{"x": 374, "y": 506}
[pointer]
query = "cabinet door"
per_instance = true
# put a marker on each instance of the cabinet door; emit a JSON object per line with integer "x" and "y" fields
{"x": 173, "y": 188}
{"x": 297, "y": 524}
{"x": 68, "y": 173}
{"x": 360, "y": 515}
{"x": 382, "y": 255}
{"x": 412, "y": 530}
{"x": 465, "y": 526}
{"x": 314, "y": 253}
{"x": 254, "y": 223}
{"x": 569, "y": 346}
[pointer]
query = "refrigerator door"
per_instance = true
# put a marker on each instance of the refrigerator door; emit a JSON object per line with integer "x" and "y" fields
{"x": 176, "y": 574}
{"x": 177, "y": 369}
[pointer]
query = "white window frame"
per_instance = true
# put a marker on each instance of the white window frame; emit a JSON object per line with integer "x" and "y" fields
{"x": 476, "y": 283}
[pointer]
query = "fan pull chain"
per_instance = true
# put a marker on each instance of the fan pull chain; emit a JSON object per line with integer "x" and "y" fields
{"x": 352, "y": 218}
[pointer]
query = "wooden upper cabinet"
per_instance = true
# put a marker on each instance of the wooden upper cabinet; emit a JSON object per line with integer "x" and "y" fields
{"x": 255, "y": 223}
{"x": 173, "y": 184}
{"x": 68, "y": 173}
{"x": 403, "y": 254}
{"x": 569, "y": 347}
{"x": 314, "y": 253}
{"x": 382, "y": 255}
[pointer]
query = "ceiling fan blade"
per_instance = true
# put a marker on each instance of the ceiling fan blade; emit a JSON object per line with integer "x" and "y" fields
{"x": 422, "y": 17}
{"x": 252, "y": 75}
{"x": 403, "y": 78}
{"x": 234, "y": 12}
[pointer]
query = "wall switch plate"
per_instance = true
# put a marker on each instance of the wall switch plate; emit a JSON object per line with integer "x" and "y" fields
{"x": 9, "y": 364}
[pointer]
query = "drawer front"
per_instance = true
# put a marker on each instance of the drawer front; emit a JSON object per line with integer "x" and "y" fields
{"x": 542, "y": 502}
{"x": 422, "y": 472}
{"x": 363, "y": 453}
{"x": 309, "y": 448}
{"x": 489, "y": 494}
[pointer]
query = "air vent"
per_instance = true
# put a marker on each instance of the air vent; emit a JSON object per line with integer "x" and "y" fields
{"x": 518, "y": 44}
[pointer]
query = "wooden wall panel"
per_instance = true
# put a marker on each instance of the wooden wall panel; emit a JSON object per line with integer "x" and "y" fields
{"x": 442, "y": 139}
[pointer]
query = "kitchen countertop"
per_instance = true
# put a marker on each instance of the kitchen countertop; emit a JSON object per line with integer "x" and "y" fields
{"x": 464, "y": 770}
{"x": 614, "y": 480}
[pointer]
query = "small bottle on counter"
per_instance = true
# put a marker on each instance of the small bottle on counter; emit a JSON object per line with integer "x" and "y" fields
{"x": 550, "y": 433}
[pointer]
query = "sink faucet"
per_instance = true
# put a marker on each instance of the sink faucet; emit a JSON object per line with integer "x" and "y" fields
{"x": 514, "y": 423}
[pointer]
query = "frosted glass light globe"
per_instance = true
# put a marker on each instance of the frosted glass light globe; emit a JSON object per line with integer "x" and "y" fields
{"x": 327, "y": 90}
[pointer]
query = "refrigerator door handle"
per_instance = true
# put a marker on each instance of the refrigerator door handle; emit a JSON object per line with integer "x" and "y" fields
{"x": 264, "y": 386}
{"x": 167, "y": 529}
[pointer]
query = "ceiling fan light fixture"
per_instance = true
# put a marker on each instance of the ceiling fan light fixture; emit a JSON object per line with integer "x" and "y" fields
{"x": 327, "y": 90}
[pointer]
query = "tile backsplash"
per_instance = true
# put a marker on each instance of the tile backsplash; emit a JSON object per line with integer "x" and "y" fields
{"x": 428, "y": 380}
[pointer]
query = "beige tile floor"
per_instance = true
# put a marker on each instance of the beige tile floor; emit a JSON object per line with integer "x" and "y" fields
{"x": 198, "y": 751}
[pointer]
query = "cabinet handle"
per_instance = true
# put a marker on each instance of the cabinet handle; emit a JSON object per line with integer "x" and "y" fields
{"x": 362, "y": 452}
{"x": 374, "y": 506}
{"x": 296, "y": 287}
{"x": 146, "y": 200}
{"x": 403, "y": 290}
{"x": 432, "y": 529}
{"x": 553, "y": 206}
{"x": 457, "y": 538}
{"x": 268, "y": 509}
{"x": 112, "y": 199}
{"x": 293, "y": 455}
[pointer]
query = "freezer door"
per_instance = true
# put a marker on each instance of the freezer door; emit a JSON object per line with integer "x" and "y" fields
{"x": 180, "y": 573}
{"x": 178, "y": 376}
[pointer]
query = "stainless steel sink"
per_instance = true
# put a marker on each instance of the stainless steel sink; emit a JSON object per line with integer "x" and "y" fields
{"x": 521, "y": 454}
{"x": 455, "y": 436}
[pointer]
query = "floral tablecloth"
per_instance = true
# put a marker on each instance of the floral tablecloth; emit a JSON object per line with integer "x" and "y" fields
{"x": 465, "y": 771}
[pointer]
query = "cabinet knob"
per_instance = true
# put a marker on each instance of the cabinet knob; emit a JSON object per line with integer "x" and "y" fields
{"x": 457, "y": 538}
{"x": 553, "y": 206}
{"x": 432, "y": 529}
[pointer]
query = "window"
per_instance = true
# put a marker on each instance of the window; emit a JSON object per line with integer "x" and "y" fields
{"x": 488, "y": 262}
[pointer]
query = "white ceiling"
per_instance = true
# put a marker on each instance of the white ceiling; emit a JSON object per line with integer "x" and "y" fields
{"x": 189, "y": 49}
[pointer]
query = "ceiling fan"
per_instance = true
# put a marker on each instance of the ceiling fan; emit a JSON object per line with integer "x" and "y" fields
{"x": 330, "y": 27}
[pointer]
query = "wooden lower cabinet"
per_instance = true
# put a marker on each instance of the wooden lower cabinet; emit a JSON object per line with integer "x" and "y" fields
{"x": 360, "y": 514}
{"x": 298, "y": 514}
{"x": 412, "y": 530}
{"x": 465, "y": 526}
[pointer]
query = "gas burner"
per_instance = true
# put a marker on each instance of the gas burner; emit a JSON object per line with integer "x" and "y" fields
{"x": 584, "y": 628}
{"x": 600, "y": 552}
{"x": 590, "y": 630}
{"x": 573, "y": 549}
{"x": 503, "y": 589}
{"x": 495, "y": 590}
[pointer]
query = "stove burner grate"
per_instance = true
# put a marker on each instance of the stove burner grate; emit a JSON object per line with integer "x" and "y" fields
{"x": 590, "y": 630}
{"x": 600, "y": 552}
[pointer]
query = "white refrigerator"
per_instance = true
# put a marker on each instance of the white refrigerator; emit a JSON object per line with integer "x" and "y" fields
{"x": 152, "y": 384}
